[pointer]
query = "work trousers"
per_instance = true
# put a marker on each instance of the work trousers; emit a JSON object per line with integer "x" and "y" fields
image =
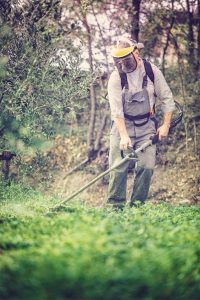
{"x": 143, "y": 170}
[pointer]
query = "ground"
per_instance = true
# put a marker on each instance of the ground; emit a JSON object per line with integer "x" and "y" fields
{"x": 176, "y": 177}
{"x": 172, "y": 183}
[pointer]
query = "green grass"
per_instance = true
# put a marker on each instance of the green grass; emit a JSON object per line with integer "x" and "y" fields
{"x": 87, "y": 253}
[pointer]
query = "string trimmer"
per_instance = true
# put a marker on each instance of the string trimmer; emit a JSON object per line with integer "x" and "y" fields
{"x": 131, "y": 156}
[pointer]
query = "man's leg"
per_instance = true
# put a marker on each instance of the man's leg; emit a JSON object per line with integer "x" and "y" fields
{"x": 143, "y": 173}
{"x": 118, "y": 177}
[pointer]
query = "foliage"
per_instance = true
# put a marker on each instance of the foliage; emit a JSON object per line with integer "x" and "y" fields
{"x": 42, "y": 85}
{"x": 149, "y": 252}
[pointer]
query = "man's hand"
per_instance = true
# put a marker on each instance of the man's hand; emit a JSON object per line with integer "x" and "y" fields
{"x": 125, "y": 142}
{"x": 163, "y": 131}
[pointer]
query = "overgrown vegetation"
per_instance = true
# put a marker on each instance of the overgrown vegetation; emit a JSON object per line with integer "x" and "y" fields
{"x": 150, "y": 252}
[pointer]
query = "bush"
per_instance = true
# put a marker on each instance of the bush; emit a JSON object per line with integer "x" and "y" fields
{"x": 42, "y": 86}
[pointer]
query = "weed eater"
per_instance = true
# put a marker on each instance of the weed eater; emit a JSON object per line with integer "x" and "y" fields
{"x": 131, "y": 156}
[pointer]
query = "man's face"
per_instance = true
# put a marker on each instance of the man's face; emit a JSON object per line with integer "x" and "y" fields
{"x": 127, "y": 64}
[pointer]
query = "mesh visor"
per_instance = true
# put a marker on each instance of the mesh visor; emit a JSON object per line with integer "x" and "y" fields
{"x": 126, "y": 64}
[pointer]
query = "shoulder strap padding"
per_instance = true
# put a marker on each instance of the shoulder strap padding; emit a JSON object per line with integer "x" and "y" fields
{"x": 124, "y": 80}
{"x": 148, "y": 69}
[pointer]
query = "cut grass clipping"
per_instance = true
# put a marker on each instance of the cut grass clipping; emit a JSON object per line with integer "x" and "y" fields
{"x": 151, "y": 252}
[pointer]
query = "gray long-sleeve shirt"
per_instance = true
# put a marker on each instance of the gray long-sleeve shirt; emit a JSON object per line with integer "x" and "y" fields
{"x": 135, "y": 79}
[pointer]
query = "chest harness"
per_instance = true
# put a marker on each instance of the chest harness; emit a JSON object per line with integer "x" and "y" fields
{"x": 137, "y": 106}
{"x": 142, "y": 118}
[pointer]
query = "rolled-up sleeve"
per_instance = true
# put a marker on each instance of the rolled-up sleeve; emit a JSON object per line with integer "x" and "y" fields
{"x": 115, "y": 95}
{"x": 163, "y": 91}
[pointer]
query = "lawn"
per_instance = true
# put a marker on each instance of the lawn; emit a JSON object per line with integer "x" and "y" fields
{"x": 83, "y": 253}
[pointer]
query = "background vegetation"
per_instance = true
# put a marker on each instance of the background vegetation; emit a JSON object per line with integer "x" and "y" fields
{"x": 55, "y": 62}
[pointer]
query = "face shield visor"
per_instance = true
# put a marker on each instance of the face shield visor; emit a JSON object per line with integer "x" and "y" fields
{"x": 126, "y": 64}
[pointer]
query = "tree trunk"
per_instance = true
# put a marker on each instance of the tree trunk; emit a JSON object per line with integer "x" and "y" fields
{"x": 135, "y": 18}
{"x": 102, "y": 39}
{"x": 168, "y": 37}
{"x": 90, "y": 136}
{"x": 180, "y": 67}
{"x": 198, "y": 40}
{"x": 190, "y": 43}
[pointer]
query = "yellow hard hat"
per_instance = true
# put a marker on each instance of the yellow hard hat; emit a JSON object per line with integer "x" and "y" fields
{"x": 124, "y": 46}
{"x": 121, "y": 52}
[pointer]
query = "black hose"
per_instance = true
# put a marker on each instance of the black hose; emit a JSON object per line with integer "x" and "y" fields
{"x": 178, "y": 119}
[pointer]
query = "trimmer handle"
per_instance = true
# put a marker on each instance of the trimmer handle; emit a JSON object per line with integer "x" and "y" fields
{"x": 130, "y": 153}
{"x": 122, "y": 154}
{"x": 155, "y": 139}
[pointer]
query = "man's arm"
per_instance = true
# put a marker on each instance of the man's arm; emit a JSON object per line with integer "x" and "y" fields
{"x": 165, "y": 95}
{"x": 115, "y": 100}
{"x": 163, "y": 130}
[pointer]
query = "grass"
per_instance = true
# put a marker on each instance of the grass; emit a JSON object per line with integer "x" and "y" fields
{"x": 151, "y": 252}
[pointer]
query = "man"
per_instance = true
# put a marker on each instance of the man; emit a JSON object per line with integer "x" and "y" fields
{"x": 133, "y": 123}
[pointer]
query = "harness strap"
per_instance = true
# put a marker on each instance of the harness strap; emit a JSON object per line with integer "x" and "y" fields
{"x": 148, "y": 70}
{"x": 136, "y": 118}
{"x": 144, "y": 83}
{"x": 150, "y": 74}
{"x": 141, "y": 124}
{"x": 124, "y": 83}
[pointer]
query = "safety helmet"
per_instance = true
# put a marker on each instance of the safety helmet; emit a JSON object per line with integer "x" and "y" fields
{"x": 124, "y": 46}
